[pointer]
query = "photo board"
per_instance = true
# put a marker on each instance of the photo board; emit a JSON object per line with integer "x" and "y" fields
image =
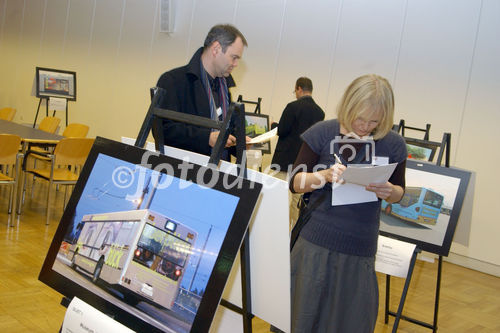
{"x": 257, "y": 124}
{"x": 149, "y": 239}
{"x": 428, "y": 213}
{"x": 55, "y": 83}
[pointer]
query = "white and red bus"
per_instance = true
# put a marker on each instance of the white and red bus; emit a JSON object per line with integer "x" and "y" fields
{"x": 141, "y": 253}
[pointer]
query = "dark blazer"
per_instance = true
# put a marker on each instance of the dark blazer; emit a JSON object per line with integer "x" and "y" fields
{"x": 185, "y": 93}
{"x": 296, "y": 118}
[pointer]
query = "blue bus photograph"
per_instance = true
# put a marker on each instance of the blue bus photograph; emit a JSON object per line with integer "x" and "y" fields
{"x": 419, "y": 204}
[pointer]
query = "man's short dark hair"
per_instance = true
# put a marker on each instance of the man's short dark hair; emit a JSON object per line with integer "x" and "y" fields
{"x": 225, "y": 34}
{"x": 305, "y": 83}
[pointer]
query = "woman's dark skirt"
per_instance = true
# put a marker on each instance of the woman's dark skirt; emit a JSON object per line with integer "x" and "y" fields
{"x": 332, "y": 292}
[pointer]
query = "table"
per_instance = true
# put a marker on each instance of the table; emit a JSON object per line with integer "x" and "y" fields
{"x": 29, "y": 136}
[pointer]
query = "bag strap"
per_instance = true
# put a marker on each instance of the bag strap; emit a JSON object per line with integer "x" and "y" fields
{"x": 304, "y": 216}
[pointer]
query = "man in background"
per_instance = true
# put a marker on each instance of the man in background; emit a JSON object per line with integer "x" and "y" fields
{"x": 201, "y": 88}
{"x": 295, "y": 119}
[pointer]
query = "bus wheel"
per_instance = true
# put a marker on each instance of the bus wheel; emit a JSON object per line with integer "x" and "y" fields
{"x": 97, "y": 271}
{"x": 388, "y": 209}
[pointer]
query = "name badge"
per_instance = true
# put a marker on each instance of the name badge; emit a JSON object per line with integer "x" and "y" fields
{"x": 380, "y": 160}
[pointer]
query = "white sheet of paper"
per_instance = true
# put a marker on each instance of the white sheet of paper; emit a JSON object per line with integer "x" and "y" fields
{"x": 83, "y": 318}
{"x": 356, "y": 178}
{"x": 264, "y": 137}
{"x": 347, "y": 194}
{"x": 58, "y": 104}
{"x": 393, "y": 256}
{"x": 365, "y": 175}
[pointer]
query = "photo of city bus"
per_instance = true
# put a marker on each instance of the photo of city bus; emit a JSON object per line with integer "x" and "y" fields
{"x": 419, "y": 204}
{"x": 140, "y": 253}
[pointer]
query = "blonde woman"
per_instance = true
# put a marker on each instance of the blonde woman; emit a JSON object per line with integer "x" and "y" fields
{"x": 334, "y": 286}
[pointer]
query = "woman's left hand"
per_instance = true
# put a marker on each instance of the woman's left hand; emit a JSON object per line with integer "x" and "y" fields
{"x": 382, "y": 190}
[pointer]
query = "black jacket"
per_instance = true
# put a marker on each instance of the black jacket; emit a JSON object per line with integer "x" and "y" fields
{"x": 185, "y": 93}
{"x": 296, "y": 118}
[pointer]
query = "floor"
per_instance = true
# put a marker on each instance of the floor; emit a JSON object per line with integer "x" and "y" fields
{"x": 469, "y": 302}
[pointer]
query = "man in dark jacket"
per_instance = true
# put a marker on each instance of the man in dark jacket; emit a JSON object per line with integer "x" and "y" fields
{"x": 201, "y": 88}
{"x": 295, "y": 119}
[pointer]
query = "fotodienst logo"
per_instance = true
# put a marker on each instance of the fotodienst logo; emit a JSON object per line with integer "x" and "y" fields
{"x": 148, "y": 174}
{"x": 358, "y": 151}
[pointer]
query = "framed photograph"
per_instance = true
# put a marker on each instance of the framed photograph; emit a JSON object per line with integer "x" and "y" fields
{"x": 422, "y": 150}
{"x": 257, "y": 124}
{"x": 428, "y": 213}
{"x": 149, "y": 239}
{"x": 55, "y": 83}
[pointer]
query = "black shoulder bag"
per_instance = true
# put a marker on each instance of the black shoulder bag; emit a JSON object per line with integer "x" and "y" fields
{"x": 306, "y": 208}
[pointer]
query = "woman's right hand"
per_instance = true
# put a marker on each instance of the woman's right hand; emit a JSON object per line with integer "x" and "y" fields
{"x": 333, "y": 174}
{"x": 310, "y": 181}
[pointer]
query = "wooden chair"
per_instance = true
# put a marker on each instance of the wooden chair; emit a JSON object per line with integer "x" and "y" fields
{"x": 49, "y": 124}
{"x": 7, "y": 113}
{"x": 9, "y": 160}
{"x": 76, "y": 130}
{"x": 64, "y": 164}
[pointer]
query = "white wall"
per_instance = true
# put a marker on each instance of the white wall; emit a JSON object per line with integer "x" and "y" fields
{"x": 442, "y": 57}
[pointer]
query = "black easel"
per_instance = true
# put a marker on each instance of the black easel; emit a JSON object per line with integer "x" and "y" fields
{"x": 47, "y": 110}
{"x": 402, "y": 126}
{"x": 444, "y": 147}
{"x": 257, "y": 104}
{"x": 153, "y": 120}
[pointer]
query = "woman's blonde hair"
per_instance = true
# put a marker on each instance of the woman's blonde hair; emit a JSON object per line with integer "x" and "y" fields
{"x": 367, "y": 94}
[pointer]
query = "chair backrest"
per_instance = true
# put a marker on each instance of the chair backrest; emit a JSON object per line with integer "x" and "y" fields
{"x": 9, "y": 147}
{"x": 75, "y": 130}
{"x": 72, "y": 151}
{"x": 7, "y": 113}
{"x": 49, "y": 124}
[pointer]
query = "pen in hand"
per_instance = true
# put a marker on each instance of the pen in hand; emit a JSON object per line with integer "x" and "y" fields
{"x": 339, "y": 162}
{"x": 337, "y": 159}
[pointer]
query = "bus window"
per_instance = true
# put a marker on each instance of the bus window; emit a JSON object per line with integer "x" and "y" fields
{"x": 411, "y": 196}
{"x": 89, "y": 236}
{"x": 175, "y": 250}
{"x": 172, "y": 252}
{"x": 125, "y": 232}
{"x": 433, "y": 199}
{"x": 169, "y": 270}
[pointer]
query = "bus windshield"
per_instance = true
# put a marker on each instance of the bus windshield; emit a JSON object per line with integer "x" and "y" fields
{"x": 165, "y": 245}
{"x": 433, "y": 199}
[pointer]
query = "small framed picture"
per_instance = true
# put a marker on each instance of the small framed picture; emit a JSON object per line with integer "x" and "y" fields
{"x": 422, "y": 150}
{"x": 55, "y": 83}
{"x": 257, "y": 124}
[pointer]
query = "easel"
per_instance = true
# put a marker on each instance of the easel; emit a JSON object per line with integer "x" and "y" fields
{"x": 47, "y": 110}
{"x": 401, "y": 128}
{"x": 153, "y": 120}
{"x": 257, "y": 104}
{"x": 444, "y": 146}
{"x": 256, "y": 111}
